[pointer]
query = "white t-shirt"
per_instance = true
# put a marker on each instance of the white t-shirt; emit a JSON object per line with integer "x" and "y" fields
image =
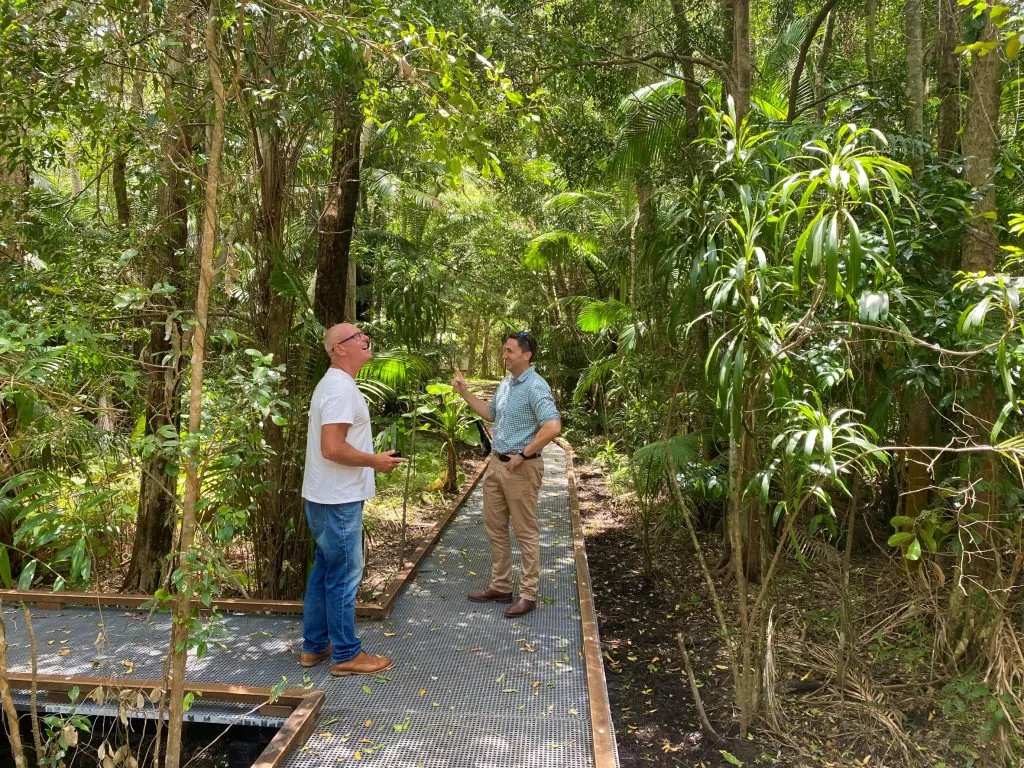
{"x": 337, "y": 400}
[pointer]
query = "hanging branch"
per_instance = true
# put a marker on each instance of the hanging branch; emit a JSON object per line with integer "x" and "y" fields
{"x": 183, "y": 601}
{"x": 805, "y": 46}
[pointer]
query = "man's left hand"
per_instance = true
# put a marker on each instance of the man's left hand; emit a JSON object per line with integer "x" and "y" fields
{"x": 514, "y": 462}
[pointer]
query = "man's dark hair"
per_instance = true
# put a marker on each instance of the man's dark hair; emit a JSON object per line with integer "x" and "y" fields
{"x": 525, "y": 341}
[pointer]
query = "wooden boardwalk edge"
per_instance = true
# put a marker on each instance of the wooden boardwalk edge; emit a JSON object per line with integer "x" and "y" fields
{"x": 378, "y": 610}
{"x": 605, "y": 752}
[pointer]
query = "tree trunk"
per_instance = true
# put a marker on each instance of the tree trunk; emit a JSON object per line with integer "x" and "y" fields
{"x": 917, "y": 478}
{"x": 948, "y": 38}
{"x": 741, "y": 57}
{"x": 474, "y": 338}
{"x": 684, "y": 47}
{"x": 979, "y": 142}
{"x": 819, "y": 70}
{"x": 870, "y": 11}
{"x": 969, "y": 608}
{"x": 158, "y": 493}
{"x": 183, "y": 599}
{"x": 338, "y": 220}
{"x": 279, "y": 553}
{"x": 485, "y": 356}
{"x": 118, "y": 182}
{"x": 915, "y": 81}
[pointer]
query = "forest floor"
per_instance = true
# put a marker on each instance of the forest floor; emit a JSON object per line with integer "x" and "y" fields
{"x": 893, "y": 711}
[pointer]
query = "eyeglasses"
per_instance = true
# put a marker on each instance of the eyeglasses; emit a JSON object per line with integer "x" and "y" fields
{"x": 356, "y": 335}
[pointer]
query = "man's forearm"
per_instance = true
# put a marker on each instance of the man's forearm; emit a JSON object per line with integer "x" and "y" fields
{"x": 480, "y": 407}
{"x": 548, "y": 431}
{"x": 348, "y": 455}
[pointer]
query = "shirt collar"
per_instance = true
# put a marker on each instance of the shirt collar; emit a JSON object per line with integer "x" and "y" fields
{"x": 522, "y": 377}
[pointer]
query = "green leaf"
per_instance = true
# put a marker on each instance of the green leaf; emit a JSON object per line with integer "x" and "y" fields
{"x": 901, "y": 538}
{"x": 27, "y": 574}
{"x": 730, "y": 758}
{"x": 5, "y": 568}
{"x": 901, "y": 521}
{"x": 973, "y": 318}
{"x": 914, "y": 550}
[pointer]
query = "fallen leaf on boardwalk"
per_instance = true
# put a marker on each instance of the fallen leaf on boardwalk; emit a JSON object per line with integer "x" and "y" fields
{"x": 367, "y": 689}
{"x": 366, "y": 741}
{"x": 510, "y": 690}
{"x": 470, "y": 650}
{"x": 129, "y": 665}
{"x": 325, "y": 735}
{"x": 357, "y": 756}
{"x": 423, "y": 691}
{"x": 368, "y": 723}
{"x": 573, "y": 711}
{"x": 402, "y": 726}
{"x": 500, "y": 678}
{"x": 64, "y": 652}
{"x": 390, "y": 634}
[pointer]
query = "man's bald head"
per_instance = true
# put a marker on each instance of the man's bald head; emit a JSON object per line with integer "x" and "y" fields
{"x": 336, "y": 333}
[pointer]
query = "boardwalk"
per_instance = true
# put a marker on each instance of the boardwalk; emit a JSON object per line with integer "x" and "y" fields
{"x": 469, "y": 687}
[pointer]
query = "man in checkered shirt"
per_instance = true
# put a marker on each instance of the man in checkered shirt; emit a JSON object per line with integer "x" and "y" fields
{"x": 525, "y": 420}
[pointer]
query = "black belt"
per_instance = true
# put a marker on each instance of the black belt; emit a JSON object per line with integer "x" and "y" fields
{"x": 503, "y": 457}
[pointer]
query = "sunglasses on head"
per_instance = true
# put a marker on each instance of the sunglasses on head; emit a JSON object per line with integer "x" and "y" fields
{"x": 523, "y": 335}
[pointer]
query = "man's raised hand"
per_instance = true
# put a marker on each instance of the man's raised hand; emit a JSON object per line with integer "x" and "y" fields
{"x": 459, "y": 382}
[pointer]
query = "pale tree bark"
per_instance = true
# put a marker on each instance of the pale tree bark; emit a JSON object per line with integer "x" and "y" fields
{"x": 183, "y": 598}
{"x": 473, "y": 340}
{"x": 915, "y": 81}
{"x": 162, "y": 359}
{"x": 948, "y": 38}
{"x": 10, "y": 713}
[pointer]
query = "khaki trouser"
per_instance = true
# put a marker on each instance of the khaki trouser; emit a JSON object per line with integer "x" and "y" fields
{"x": 513, "y": 495}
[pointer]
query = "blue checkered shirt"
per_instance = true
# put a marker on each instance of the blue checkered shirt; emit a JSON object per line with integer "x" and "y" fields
{"x": 519, "y": 407}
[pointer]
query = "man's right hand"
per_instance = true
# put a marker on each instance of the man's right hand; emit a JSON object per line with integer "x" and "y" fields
{"x": 385, "y": 462}
{"x": 459, "y": 383}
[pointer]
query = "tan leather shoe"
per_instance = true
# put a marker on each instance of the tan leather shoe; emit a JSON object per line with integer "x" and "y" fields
{"x": 520, "y": 607}
{"x": 490, "y": 596}
{"x": 312, "y": 659}
{"x": 361, "y": 664}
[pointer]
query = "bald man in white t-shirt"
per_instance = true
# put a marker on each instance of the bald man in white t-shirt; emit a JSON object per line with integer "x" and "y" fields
{"x": 339, "y": 477}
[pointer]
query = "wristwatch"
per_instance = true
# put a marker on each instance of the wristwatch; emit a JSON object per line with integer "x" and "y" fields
{"x": 523, "y": 456}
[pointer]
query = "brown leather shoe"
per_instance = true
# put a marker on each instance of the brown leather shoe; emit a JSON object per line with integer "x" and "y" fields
{"x": 490, "y": 596}
{"x": 361, "y": 664}
{"x": 520, "y": 607}
{"x": 312, "y": 659}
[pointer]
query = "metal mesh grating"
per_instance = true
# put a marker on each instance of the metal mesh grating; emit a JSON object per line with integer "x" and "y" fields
{"x": 469, "y": 687}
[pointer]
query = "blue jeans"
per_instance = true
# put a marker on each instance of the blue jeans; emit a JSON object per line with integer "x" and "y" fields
{"x": 329, "y": 610}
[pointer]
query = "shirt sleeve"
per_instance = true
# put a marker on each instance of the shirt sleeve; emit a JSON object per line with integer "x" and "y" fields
{"x": 543, "y": 404}
{"x": 492, "y": 407}
{"x": 338, "y": 407}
